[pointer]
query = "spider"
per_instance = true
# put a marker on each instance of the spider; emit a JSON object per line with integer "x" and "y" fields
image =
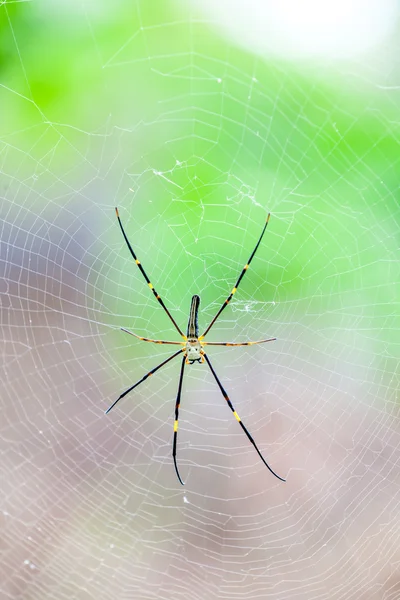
{"x": 193, "y": 347}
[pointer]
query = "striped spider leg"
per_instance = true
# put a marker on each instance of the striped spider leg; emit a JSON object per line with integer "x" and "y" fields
{"x": 192, "y": 347}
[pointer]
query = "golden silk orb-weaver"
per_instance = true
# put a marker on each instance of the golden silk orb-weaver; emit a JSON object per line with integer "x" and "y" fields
{"x": 192, "y": 347}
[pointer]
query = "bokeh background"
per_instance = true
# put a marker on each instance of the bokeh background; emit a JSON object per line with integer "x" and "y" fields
{"x": 196, "y": 119}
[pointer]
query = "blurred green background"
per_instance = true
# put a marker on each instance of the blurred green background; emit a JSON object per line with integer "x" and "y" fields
{"x": 152, "y": 107}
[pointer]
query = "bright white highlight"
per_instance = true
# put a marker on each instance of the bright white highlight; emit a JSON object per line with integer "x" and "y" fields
{"x": 305, "y": 29}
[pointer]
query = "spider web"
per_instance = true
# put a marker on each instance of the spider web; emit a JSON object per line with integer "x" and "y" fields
{"x": 146, "y": 107}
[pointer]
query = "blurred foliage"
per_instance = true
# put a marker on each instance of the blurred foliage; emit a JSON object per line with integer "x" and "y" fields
{"x": 145, "y": 97}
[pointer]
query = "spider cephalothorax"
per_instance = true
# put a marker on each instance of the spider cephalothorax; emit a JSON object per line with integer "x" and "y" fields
{"x": 192, "y": 347}
{"x": 194, "y": 352}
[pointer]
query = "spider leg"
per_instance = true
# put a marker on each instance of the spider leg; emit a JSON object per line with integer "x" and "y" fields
{"x": 149, "y": 340}
{"x": 225, "y": 395}
{"x": 141, "y": 380}
{"x": 246, "y": 266}
{"x": 145, "y": 275}
{"x": 236, "y": 343}
{"x": 177, "y": 405}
